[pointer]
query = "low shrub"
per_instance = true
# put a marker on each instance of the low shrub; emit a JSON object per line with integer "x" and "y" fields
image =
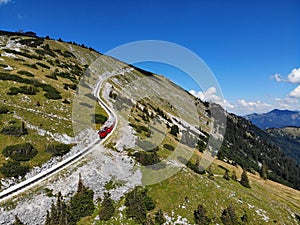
{"x": 3, "y": 110}
{"x": 66, "y": 101}
{"x": 58, "y": 51}
{"x": 43, "y": 65}
{"x": 32, "y": 42}
{"x": 98, "y": 119}
{"x": 146, "y": 159}
{"x": 28, "y": 90}
{"x": 19, "y": 59}
{"x": 169, "y": 147}
{"x": 68, "y": 54}
{"x": 53, "y": 95}
{"x": 51, "y": 92}
{"x": 26, "y": 73}
{"x": 58, "y": 149}
{"x": 20, "y": 152}
{"x": 33, "y": 66}
{"x": 14, "y": 169}
{"x": 71, "y": 86}
{"x": 52, "y": 76}
{"x": 14, "y": 130}
{"x": 13, "y": 91}
{"x": 25, "y": 54}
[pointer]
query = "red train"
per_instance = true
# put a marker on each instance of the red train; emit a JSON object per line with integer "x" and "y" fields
{"x": 106, "y": 129}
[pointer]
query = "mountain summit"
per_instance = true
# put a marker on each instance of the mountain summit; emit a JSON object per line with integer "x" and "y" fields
{"x": 275, "y": 119}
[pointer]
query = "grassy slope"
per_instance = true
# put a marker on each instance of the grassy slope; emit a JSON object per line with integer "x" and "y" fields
{"x": 264, "y": 203}
{"x": 272, "y": 199}
{"x": 264, "y": 199}
{"x": 52, "y": 115}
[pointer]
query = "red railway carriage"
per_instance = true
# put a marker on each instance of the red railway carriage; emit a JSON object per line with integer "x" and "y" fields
{"x": 102, "y": 133}
{"x": 106, "y": 130}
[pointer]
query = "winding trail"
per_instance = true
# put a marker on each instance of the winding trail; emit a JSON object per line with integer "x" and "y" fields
{"x": 30, "y": 182}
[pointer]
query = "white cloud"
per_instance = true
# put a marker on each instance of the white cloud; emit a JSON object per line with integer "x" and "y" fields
{"x": 208, "y": 95}
{"x": 211, "y": 95}
{"x": 287, "y": 103}
{"x": 256, "y": 104}
{"x": 3, "y": 2}
{"x": 295, "y": 93}
{"x": 198, "y": 94}
{"x": 244, "y": 107}
{"x": 294, "y": 76}
{"x": 278, "y": 78}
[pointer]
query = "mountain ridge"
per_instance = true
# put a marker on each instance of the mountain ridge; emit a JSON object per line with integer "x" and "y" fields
{"x": 276, "y": 118}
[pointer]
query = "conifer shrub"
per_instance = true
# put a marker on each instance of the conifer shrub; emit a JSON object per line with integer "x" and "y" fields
{"x": 244, "y": 179}
{"x": 59, "y": 149}
{"x": 20, "y": 152}
{"x": 4, "y": 110}
{"x": 107, "y": 208}
{"x": 169, "y": 147}
{"x": 26, "y": 73}
{"x": 14, "y": 169}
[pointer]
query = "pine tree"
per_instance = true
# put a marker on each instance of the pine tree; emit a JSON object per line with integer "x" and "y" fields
{"x": 54, "y": 217}
{"x": 58, "y": 214}
{"x": 264, "y": 171}
{"x": 107, "y": 209}
{"x": 244, "y": 180}
{"x": 174, "y": 130}
{"x": 23, "y": 129}
{"x": 48, "y": 219}
{"x": 81, "y": 204}
{"x": 226, "y": 175}
{"x": 228, "y": 216}
{"x": 18, "y": 221}
{"x": 62, "y": 211}
{"x": 200, "y": 216}
{"x": 159, "y": 217}
{"x": 80, "y": 185}
{"x": 233, "y": 176}
{"x": 137, "y": 203}
{"x": 244, "y": 218}
{"x": 210, "y": 173}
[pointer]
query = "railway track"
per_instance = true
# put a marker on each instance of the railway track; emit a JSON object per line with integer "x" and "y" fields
{"x": 29, "y": 183}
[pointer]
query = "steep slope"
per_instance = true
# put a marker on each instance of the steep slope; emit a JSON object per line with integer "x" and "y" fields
{"x": 39, "y": 78}
{"x": 288, "y": 138}
{"x": 179, "y": 195}
{"x": 252, "y": 147}
{"x": 275, "y": 119}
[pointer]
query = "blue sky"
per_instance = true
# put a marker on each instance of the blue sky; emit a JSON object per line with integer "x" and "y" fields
{"x": 252, "y": 47}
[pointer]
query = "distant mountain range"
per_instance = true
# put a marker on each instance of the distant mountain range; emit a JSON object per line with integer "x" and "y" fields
{"x": 275, "y": 119}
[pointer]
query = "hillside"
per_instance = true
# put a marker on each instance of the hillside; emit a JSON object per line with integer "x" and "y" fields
{"x": 163, "y": 144}
{"x": 288, "y": 138}
{"x": 251, "y": 147}
{"x": 275, "y": 119}
{"x": 39, "y": 78}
